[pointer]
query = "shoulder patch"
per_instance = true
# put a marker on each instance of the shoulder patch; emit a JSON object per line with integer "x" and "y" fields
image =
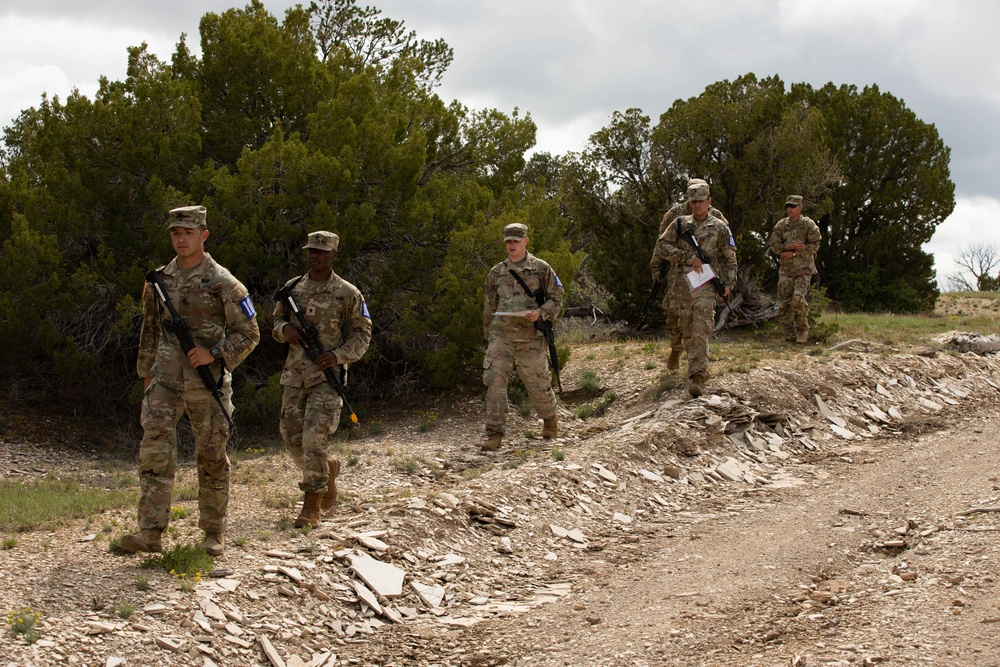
{"x": 247, "y": 305}
{"x": 364, "y": 310}
{"x": 558, "y": 282}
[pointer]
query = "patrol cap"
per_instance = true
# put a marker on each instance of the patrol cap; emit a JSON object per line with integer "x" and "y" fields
{"x": 697, "y": 181}
{"x": 698, "y": 192}
{"x": 323, "y": 241}
{"x": 794, "y": 200}
{"x": 515, "y": 232}
{"x": 189, "y": 217}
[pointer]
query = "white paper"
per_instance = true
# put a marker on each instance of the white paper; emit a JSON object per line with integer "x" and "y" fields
{"x": 508, "y": 313}
{"x": 698, "y": 280}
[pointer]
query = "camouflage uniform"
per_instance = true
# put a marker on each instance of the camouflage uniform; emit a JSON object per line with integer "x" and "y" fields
{"x": 795, "y": 273}
{"x": 514, "y": 343}
{"x": 310, "y": 407}
{"x": 218, "y": 310}
{"x": 671, "y": 306}
{"x": 697, "y": 309}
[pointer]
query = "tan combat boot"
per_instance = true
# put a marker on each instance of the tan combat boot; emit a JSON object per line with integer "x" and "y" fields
{"x": 330, "y": 497}
{"x": 550, "y": 427}
{"x": 309, "y": 516}
{"x": 492, "y": 442}
{"x": 145, "y": 540}
{"x": 214, "y": 544}
{"x": 803, "y": 337}
{"x": 674, "y": 360}
{"x": 696, "y": 385}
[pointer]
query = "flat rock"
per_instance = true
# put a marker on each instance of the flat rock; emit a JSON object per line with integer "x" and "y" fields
{"x": 365, "y": 595}
{"x": 167, "y": 643}
{"x": 730, "y": 469}
{"x": 99, "y": 628}
{"x": 650, "y": 475}
{"x": 451, "y": 559}
{"x": 272, "y": 654}
{"x": 290, "y": 572}
{"x": 623, "y": 518}
{"x": 370, "y": 542}
{"x": 842, "y": 432}
{"x": 384, "y": 578}
{"x": 155, "y": 609}
{"x": 114, "y": 662}
{"x": 577, "y": 536}
{"x": 830, "y": 414}
{"x": 895, "y": 414}
{"x": 432, "y": 596}
{"x": 279, "y": 554}
{"x": 558, "y": 531}
{"x": 212, "y": 610}
{"x": 605, "y": 474}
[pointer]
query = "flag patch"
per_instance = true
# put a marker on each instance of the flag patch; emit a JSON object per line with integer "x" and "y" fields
{"x": 558, "y": 282}
{"x": 247, "y": 305}
{"x": 364, "y": 310}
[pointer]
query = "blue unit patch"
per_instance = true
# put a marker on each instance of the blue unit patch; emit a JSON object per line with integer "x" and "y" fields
{"x": 558, "y": 282}
{"x": 732, "y": 241}
{"x": 247, "y": 305}
{"x": 364, "y": 310}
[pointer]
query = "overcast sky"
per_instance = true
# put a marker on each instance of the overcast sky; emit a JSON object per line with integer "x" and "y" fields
{"x": 572, "y": 63}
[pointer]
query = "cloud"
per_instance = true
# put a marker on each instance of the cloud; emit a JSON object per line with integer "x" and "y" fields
{"x": 973, "y": 221}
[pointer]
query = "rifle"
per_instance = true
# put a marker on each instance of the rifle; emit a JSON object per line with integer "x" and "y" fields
{"x": 545, "y": 327}
{"x": 652, "y": 295}
{"x": 314, "y": 349}
{"x": 178, "y": 327}
{"x": 690, "y": 238}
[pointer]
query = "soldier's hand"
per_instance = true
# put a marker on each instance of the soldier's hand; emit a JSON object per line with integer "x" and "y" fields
{"x": 326, "y": 360}
{"x": 292, "y": 335}
{"x": 145, "y": 384}
{"x": 199, "y": 356}
{"x": 696, "y": 265}
{"x": 797, "y": 247}
{"x": 532, "y": 316}
{"x": 788, "y": 254}
{"x": 656, "y": 279}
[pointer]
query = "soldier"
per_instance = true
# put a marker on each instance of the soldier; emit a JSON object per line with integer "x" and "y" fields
{"x": 696, "y": 307}
{"x": 509, "y": 314}
{"x": 310, "y": 406}
{"x": 795, "y": 240}
{"x": 222, "y": 319}
{"x": 672, "y": 308}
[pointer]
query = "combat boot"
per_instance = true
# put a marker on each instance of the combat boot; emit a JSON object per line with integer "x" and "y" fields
{"x": 803, "y": 337}
{"x": 492, "y": 442}
{"x": 214, "y": 544}
{"x": 696, "y": 385}
{"x": 145, "y": 540}
{"x": 674, "y": 360}
{"x": 309, "y": 516}
{"x": 330, "y": 497}
{"x": 550, "y": 427}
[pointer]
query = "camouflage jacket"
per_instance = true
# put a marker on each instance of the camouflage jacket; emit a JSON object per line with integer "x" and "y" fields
{"x": 503, "y": 294}
{"x": 217, "y": 309}
{"x": 713, "y": 236}
{"x": 803, "y": 230}
{"x": 675, "y": 212}
{"x": 339, "y": 313}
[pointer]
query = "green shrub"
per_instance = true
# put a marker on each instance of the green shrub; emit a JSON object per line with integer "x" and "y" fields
{"x": 590, "y": 382}
{"x": 182, "y": 559}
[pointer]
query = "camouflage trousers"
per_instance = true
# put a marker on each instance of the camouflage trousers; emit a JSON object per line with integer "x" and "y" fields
{"x": 697, "y": 319}
{"x": 672, "y": 303}
{"x": 162, "y": 408}
{"x": 309, "y": 416}
{"x": 530, "y": 360}
{"x": 793, "y": 311}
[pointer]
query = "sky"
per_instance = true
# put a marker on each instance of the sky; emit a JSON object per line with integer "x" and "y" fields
{"x": 571, "y": 64}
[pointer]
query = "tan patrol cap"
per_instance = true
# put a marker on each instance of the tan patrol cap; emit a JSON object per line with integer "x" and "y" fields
{"x": 189, "y": 217}
{"x": 515, "y": 232}
{"x": 698, "y": 192}
{"x": 794, "y": 200}
{"x": 323, "y": 241}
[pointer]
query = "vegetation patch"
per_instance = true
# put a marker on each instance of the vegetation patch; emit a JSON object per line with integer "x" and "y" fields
{"x": 30, "y": 504}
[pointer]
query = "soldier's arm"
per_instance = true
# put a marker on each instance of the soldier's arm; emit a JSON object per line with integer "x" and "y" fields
{"x": 242, "y": 332}
{"x": 281, "y": 318}
{"x": 149, "y": 335}
{"x": 553, "y": 294}
{"x": 813, "y": 237}
{"x": 357, "y": 331}
{"x": 727, "y": 259}
{"x": 776, "y": 243}
{"x": 671, "y": 248}
{"x": 490, "y": 300}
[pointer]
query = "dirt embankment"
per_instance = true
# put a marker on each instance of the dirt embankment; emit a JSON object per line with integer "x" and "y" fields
{"x": 757, "y": 525}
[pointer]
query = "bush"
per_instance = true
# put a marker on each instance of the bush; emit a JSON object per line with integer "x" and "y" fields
{"x": 590, "y": 382}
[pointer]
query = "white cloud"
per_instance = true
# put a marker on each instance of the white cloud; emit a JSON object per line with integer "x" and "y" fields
{"x": 975, "y": 220}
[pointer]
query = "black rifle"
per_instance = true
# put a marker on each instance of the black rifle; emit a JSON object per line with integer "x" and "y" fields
{"x": 178, "y": 327}
{"x": 312, "y": 345}
{"x": 541, "y": 325}
{"x": 652, "y": 295}
{"x": 690, "y": 238}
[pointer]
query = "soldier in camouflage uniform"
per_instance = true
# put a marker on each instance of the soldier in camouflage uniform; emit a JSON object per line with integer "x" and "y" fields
{"x": 697, "y": 308}
{"x": 672, "y": 307}
{"x": 222, "y": 319}
{"x": 310, "y": 407}
{"x": 795, "y": 240}
{"x": 509, "y": 315}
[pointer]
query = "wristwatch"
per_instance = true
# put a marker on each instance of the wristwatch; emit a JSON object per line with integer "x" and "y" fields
{"x": 216, "y": 352}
